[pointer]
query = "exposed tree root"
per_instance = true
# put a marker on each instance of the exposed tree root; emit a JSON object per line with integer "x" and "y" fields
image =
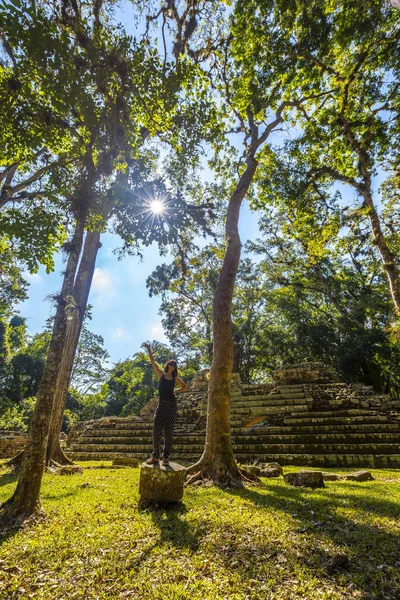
{"x": 11, "y": 519}
{"x": 60, "y": 458}
{"x": 248, "y": 477}
{"x": 224, "y": 476}
{"x": 14, "y": 516}
{"x": 16, "y": 461}
{"x": 59, "y": 469}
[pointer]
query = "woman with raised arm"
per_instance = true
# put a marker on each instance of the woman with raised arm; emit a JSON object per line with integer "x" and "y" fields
{"x": 165, "y": 415}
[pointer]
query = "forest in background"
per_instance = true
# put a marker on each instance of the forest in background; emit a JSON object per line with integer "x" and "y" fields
{"x": 311, "y": 288}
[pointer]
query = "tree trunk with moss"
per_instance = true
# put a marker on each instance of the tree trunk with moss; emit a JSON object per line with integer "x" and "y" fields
{"x": 389, "y": 259}
{"x": 26, "y": 499}
{"x": 218, "y": 461}
{"x": 79, "y": 301}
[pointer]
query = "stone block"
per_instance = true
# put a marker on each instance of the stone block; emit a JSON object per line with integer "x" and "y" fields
{"x": 332, "y": 476}
{"x": 311, "y": 479}
{"x": 270, "y": 472}
{"x": 272, "y": 465}
{"x": 360, "y": 476}
{"x": 125, "y": 461}
{"x": 160, "y": 483}
{"x": 253, "y": 469}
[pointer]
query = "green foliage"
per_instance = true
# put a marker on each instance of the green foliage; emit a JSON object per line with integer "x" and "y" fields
{"x": 13, "y": 287}
{"x": 17, "y": 418}
{"x": 187, "y": 290}
{"x": 90, "y": 364}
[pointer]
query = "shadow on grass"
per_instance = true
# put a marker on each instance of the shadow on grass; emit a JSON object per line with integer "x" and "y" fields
{"x": 374, "y": 552}
{"x": 8, "y": 477}
{"x": 174, "y": 529}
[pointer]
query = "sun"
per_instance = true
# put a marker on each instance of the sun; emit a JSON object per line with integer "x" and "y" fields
{"x": 157, "y": 207}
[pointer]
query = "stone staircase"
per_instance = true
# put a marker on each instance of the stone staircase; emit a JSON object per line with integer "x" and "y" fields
{"x": 293, "y": 426}
{"x": 318, "y": 422}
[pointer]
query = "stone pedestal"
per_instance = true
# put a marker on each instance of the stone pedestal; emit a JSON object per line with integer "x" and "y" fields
{"x": 161, "y": 484}
{"x": 312, "y": 479}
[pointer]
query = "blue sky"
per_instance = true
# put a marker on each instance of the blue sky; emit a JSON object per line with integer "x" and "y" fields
{"x": 122, "y": 311}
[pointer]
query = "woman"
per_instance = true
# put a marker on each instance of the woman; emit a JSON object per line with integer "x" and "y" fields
{"x": 165, "y": 415}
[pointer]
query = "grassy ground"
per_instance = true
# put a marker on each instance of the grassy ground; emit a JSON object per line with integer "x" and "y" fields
{"x": 264, "y": 542}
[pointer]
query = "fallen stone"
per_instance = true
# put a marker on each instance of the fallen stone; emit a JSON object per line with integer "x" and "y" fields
{"x": 270, "y": 472}
{"x": 272, "y": 465}
{"x": 337, "y": 562}
{"x": 360, "y": 476}
{"x": 160, "y": 483}
{"x": 65, "y": 470}
{"x": 123, "y": 461}
{"x": 332, "y": 476}
{"x": 311, "y": 479}
{"x": 253, "y": 469}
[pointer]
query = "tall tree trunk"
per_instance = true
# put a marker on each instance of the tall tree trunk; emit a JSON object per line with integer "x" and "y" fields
{"x": 80, "y": 297}
{"x": 218, "y": 461}
{"x": 26, "y": 498}
{"x": 388, "y": 258}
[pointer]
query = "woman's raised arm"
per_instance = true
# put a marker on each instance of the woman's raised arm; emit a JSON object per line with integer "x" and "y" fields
{"x": 155, "y": 366}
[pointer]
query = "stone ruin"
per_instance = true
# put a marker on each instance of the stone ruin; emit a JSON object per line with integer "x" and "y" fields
{"x": 306, "y": 417}
{"x": 11, "y": 442}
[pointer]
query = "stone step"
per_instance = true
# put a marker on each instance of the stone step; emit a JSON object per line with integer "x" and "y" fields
{"x": 96, "y": 432}
{"x": 124, "y": 425}
{"x": 133, "y": 440}
{"x": 253, "y": 390}
{"x": 270, "y": 397}
{"x": 131, "y": 448}
{"x": 269, "y": 410}
{"x": 327, "y": 460}
{"x": 267, "y": 401}
{"x": 109, "y": 456}
{"x": 366, "y": 428}
{"x": 294, "y": 387}
{"x": 333, "y": 414}
{"x": 321, "y": 438}
{"x": 255, "y": 446}
{"x": 331, "y": 448}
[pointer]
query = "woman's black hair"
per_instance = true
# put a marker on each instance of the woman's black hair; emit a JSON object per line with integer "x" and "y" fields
{"x": 175, "y": 371}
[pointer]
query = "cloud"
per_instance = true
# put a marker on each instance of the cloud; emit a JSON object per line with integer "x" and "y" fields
{"x": 120, "y": 333}
{"x": 102, "y": 282}
{"x": 33, "y": 277}
{"x": 157, "y": 333}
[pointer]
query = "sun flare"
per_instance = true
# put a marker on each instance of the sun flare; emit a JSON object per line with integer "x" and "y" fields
{"x": 157, "y": 207}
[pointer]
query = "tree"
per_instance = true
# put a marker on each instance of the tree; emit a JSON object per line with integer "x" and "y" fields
{"x": 350, "y": 52}
{"x": 326, "y": 299}
{"x": 108, "y": 110}
{"x": 187, "y": 293}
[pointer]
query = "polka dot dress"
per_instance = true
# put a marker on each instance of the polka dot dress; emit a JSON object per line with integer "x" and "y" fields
{"x": 164, "y": 417}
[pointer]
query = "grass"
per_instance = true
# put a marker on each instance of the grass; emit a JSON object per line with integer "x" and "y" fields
{"x": 269, "y": 541}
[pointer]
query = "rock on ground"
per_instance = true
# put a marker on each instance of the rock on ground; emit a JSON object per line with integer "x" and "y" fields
{"x": 360, "y": 476}
{"x": 161, "y": 484}
{"x": 271, "y": 472}
{"x": 253, "y": 469}
{"x": 65, "y": 470}
{"x": 272, "y": 465}
{"x": 332, "y": 476}
{"x": 312, "y": 479}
